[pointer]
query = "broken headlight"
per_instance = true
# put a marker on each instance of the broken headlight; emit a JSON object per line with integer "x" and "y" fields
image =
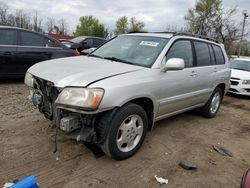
{"x": 81, "y": 97}
{"x": 29, "y": 80}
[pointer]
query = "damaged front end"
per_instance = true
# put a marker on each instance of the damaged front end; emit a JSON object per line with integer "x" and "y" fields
{"x": 72, "y": 109}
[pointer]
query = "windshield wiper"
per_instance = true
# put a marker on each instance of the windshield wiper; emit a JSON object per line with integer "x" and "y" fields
{"x": 93, "y": 55}
{"x": 119, "y": 60}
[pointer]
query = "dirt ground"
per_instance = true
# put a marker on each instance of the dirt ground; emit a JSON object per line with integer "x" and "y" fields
{"x": 26, "y": 147}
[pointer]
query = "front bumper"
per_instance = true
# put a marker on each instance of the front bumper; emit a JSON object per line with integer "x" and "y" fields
{"x": 238, "y": 88}
{"x": 83, "y": 124}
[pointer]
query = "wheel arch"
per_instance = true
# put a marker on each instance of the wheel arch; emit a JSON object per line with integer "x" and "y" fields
{"x": 148, "y": 105}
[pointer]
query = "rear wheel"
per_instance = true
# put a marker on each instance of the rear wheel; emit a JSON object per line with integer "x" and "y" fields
{"x": 127, "y": 132}
{"x": 212, "y": 106}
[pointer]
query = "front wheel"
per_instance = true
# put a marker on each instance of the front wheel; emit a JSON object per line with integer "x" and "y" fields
{"x": 127, "y": 132}
{"x": 212, "y": 106}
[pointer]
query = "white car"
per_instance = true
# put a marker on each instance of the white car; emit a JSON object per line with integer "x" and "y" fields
{"x": 240, "y": 76}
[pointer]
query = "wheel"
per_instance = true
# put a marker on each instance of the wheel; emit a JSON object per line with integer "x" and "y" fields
{"x": 127, "y": 132}
{"x": 213, "y": 104}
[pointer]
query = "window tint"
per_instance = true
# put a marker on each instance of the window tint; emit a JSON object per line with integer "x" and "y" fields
{"x": 7, "y": 37}
{"x": 202, "y": 53}
{"x": 212, "y": 55}
{"x": 182, "y": 49}
{"x": 88, "y": 42}
{"x": 51, "y": 43}
{"x": 218, "y": 55}
{"x": 31, "y": 39}
{"x": 97, "y": 42}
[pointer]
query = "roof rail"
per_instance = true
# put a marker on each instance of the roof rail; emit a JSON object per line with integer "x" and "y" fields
{"x": 174, "y": 33}
{"x": 196, "y": 35}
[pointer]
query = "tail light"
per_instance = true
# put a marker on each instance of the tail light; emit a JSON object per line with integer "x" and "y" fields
{"x": 76, "y": 53}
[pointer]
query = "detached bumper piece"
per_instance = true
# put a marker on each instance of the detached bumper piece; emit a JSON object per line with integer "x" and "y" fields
{"x": 28, "y": 182}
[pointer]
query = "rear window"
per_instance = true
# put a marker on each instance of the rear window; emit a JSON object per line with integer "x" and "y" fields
{"x": 202, "y": 54}
{"x": 7, "y": 37}
{"x": 31, "y": 39}
{"x": 218, "y": 55}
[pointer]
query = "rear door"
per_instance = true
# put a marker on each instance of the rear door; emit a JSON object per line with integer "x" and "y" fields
{"x": 205, "y": 69}
{"x": 31, "y": 50}
{"x": 8, "y": 50}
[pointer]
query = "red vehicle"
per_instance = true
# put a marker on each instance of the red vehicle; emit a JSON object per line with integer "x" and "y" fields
{"x": 245, "y": 183}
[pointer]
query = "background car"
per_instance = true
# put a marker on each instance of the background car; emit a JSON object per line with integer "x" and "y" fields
{"x": 20, "y": 49}
{"x": 67, "y": 43}
{"x": 240, "y": 76}
{"x": 85, "y": 42}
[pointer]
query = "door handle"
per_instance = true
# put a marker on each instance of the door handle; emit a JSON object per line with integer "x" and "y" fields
{"x": 8, "y": 53}
{"x": 193, "y": 73}
{"x": 215, "y": 70}
{"x": 45, "y": 53}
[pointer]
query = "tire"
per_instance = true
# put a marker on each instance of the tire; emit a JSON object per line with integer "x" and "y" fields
{"x": 213, "y": 104}
{"x": 127, "y": 132}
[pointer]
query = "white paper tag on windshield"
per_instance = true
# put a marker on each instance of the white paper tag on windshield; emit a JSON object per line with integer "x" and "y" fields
{"x": 149, "y": 43}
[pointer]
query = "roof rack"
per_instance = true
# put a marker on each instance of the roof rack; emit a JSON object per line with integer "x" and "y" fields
{"x": 174, "y": 33}
{"x": 196, "y": 35}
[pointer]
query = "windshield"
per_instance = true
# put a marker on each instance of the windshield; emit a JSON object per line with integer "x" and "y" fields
{"x": 77, "y": 39}
{"x": 138, "y": 50}
{"x": 240, "y": 65}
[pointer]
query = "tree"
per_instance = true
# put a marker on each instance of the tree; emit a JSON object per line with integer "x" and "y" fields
{"x": 135, "y": 25}
{"x": 37, "y": 22}
{"x": 121, "y": 25}
{"x": 62, "y": 27}
{"x": 90, "y": 26}
{"x": 50, "y": 24}
{"x": 3, "y": 13}
{"x": 209, "y": 19}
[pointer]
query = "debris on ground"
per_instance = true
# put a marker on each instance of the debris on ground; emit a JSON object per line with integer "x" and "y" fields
{"x": 161, "y": 180}
{"x": 187, "y": 165}
{"x": 28, "y": 182}
{"x": 223, "y": 151}
{"x": 7, "y": 185}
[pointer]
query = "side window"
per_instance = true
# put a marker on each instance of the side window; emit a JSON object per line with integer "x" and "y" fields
{"x": 218, "y": 55}
{"x": 31, "y": 39}
{"x": 181, "y": 49}
{"x": 97, "y": 42}
{"x": 88, "y": 42}
{"x": 51, "y": 43}
{"x": 7, "y": 37}
{"x": 202, "y": 53}
{"x": 212, "y": 54}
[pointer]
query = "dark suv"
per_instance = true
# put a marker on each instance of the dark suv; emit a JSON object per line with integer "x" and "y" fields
{"x": 85, "y": 42}
{"x": 20, "y": 49}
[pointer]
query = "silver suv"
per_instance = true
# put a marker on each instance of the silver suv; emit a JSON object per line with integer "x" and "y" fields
{"x": 113, "y": 96}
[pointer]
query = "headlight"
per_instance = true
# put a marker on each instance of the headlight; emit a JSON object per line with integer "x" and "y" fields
{"x": 29, "y": 80}
{"x": 246, "y": 82}
{"x": 81, "y": 97}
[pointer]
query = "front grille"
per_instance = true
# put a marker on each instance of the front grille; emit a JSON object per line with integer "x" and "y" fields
{"x": 233, "y": 90}
{"x": 235, "y": 78}
{"x": 234, "y": 83}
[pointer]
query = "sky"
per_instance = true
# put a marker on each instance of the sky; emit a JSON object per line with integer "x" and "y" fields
{"x": 156, "y": 14}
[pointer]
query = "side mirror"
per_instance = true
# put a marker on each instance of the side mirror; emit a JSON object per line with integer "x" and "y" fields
{"x": 173, "y": 64}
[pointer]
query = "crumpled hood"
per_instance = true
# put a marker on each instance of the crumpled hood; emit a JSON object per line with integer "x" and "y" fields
{"x": 79, "y": 71}
{"x": 241, "y": 74}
